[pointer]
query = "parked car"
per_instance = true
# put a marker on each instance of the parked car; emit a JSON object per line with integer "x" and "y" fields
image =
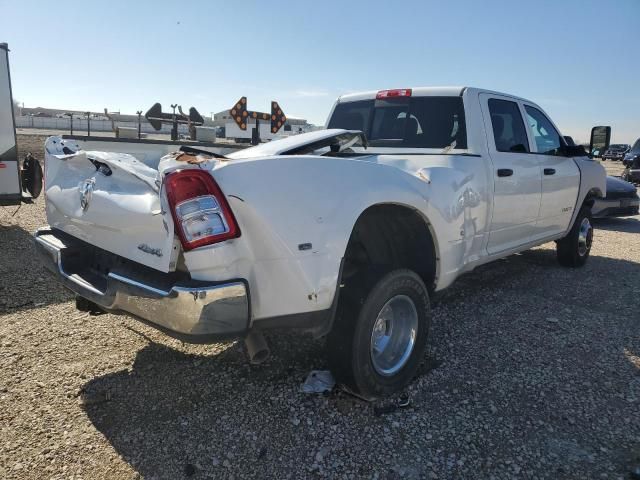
{"x": 632, "y": 154}
{"x": 621, "y": 201}
{"x": 345, "y": 232}
{"x": 631, "y": 174}
{"x": 616, "y": 151}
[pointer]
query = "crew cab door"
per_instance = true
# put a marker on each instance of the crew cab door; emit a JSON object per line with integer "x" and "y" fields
{"x": 560, "y": 175}
{"x": 516, "y": 174}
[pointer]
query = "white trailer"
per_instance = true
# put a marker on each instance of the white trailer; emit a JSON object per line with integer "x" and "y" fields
{"x": 10, "y": 188}
{"x": 17, "y": 184}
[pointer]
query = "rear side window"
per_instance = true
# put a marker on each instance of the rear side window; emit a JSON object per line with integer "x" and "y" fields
{"x": 547, "y": 138}
{"x": 352, "y": 116}
{"x": 408, "y": 122}
{"x": 508, "y": 128}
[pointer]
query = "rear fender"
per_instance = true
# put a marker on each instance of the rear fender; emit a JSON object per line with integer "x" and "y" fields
{"x": 296, "y": 214}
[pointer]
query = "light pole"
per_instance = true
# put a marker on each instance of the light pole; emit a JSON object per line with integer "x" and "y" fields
{"x": 70, "y": 115}
{"x": 174, "y": 128}
{"x": 139, "y": 112}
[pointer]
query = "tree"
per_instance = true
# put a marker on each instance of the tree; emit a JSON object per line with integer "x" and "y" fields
{"x": 16, "y": 108}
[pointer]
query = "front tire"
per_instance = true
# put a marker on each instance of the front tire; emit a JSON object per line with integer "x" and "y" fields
{"x": 573, "y": 250}
{"x": 380, "y": 333}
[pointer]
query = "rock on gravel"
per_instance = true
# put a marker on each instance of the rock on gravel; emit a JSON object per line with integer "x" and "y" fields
{"x": 532, "y": 371}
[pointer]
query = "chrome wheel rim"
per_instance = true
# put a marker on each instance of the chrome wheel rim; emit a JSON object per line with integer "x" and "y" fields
{"x": 585, "y": 237}
{"x": 394, "y": 335}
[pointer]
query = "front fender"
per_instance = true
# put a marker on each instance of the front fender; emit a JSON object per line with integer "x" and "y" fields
{"x": 593, "y": 183}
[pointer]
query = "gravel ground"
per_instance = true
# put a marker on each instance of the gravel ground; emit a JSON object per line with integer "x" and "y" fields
{"x": 533, "y": 371}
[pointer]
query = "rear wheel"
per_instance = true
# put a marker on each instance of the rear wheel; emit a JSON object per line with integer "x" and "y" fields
{"x": 380, "y": 334}
{"x": 573, "y": 250}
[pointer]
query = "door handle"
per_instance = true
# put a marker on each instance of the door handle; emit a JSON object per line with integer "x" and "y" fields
{"x": 549, "y": 171}
{"x": 505, "y": 172}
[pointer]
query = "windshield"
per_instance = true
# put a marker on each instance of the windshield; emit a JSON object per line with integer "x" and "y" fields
{"x": 409, "y": 122}
{"x": 618, "y": 147}
{"x": 636, "y": 147}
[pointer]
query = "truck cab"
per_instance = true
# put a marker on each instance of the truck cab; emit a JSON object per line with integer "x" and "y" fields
{"x": 526, "y": 187}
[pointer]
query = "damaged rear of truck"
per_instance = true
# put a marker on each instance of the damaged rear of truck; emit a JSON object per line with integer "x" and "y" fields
{"x": 202, "y": 246}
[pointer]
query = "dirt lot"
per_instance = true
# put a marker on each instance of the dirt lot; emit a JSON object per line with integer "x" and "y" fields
{"x": 533, "y": 371}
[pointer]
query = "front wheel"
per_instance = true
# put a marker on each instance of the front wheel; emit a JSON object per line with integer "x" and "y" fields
{"x": 573, "y": 250}
{"x": 380, "y": 334}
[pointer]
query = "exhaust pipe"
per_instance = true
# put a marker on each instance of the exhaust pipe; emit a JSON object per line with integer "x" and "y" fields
{"x": 257, "y": 348}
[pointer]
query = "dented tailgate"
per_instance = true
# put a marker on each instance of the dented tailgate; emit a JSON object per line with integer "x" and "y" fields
{"x": 110, "y": 200}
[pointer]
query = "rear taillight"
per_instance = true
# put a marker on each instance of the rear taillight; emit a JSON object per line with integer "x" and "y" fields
{"x": 200, "y": 211}
{"x": 398, "y": 92}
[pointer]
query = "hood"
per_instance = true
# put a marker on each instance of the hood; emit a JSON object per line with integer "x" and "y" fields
{"x": 618, "y": 185}
{"x": 305, "y": 143}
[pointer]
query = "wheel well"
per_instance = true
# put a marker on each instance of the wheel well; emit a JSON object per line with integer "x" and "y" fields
{"x": 392, "y": 236}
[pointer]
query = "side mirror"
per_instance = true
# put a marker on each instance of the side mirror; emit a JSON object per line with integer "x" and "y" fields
{"x": 574, "y": 151}
{"x": 600, "y": 139}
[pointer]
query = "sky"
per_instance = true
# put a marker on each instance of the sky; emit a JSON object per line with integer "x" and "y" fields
{"x": 578, "y": 59}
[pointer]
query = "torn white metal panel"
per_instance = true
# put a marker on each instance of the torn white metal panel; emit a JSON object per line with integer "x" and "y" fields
{"x": 148, "y": 152}
{"x": 117, "y": 207}
{"x": 280, "y": 147}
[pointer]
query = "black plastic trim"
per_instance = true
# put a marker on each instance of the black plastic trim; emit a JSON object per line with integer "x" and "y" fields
{"x": 367, "y": 153}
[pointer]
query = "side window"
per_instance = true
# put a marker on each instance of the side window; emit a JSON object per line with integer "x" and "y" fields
{"x": 352, "y": 115}
{"x": 508, "y": 128}
{"x": 546, "y": 136}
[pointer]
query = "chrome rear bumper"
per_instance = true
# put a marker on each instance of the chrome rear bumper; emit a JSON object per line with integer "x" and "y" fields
{"x": 194, "y": 311}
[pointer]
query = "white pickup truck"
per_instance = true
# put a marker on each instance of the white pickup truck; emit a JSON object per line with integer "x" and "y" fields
{"x": 344, "y": 232}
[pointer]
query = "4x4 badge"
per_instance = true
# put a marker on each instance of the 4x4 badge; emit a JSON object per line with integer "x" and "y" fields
{"x": 86, "y": 190}
{"x": 147, "y": 249}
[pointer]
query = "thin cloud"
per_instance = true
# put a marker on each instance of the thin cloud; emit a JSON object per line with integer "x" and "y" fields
{"x": 311, "y": 93}
{"x": 554, "y": 102}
